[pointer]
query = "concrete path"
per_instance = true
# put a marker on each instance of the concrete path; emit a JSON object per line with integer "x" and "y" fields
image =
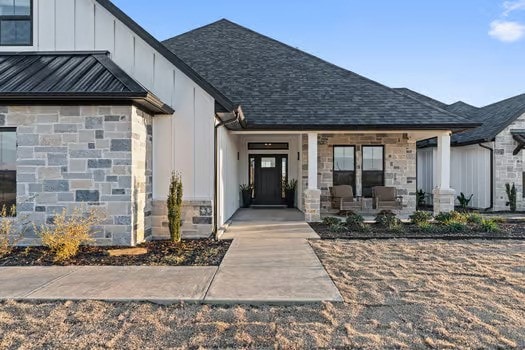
{"x": 271, "y": 261}
{"x": 161, "y": 284}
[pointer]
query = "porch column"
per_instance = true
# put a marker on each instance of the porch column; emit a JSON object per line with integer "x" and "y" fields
{"x": 444, "y": 196}
{"x": 312, "y": 195}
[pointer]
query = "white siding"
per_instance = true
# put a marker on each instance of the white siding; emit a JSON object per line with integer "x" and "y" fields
{"x": 425, "y": 169}
{"x": 184, "y": 143}
{"x": 470, "y": 172}
{"x": 228, "y": 171}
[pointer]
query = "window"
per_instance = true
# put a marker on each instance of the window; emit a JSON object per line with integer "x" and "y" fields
{"x": 268, "y": 162}
{"x": 373, "y": 168}
{"x": 344, "y": 166}
{"x": 268, "y": 145}
{"x": 16, "y": 26}
{"x": 7, "y": 167}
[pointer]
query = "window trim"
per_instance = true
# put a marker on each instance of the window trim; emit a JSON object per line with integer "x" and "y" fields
{"x": 29, "y": 17}
{"x": 354, "y": 185}
{"x": 363, "y": 165}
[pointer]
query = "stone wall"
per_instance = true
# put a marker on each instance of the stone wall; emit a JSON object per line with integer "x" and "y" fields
{"x": 197, "y": 219}
{"x": 400, "y": 164}
{"x": 72, "y": 157}
{"x": 508, "y": 167}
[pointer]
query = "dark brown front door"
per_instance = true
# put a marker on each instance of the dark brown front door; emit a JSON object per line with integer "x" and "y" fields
{"x": 269, "y": 173}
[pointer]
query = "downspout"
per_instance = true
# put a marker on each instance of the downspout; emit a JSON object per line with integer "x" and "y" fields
{"x": 216, "y": 166}
{"x": 491, "y": 175}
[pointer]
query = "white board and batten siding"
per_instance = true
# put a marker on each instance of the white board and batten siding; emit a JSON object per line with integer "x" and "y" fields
{"x": 470, "y": 172}
{"x": 182, "y": 142}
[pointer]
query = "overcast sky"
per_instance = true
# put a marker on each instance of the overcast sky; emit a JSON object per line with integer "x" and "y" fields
{"x": 470, "y": 50}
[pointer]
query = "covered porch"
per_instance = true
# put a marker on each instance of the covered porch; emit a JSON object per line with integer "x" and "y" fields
{"x": 320, "y": 160}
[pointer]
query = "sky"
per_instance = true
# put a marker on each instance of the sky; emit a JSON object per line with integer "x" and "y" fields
{"x": 468, "y": 50}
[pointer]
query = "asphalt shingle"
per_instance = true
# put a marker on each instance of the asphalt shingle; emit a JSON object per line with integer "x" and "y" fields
{"x": 281, "y": 87}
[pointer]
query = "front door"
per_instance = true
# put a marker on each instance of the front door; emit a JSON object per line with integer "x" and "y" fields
{"x": 267, "y": 173}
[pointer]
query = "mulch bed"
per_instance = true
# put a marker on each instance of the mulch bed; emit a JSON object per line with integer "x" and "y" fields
{"x": 197, "y": 252}
{"x": 507, "y": 231}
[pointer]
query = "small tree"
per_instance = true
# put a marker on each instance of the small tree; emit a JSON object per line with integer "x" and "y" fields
{"x": 511, "y": 194}
{"x": 175, "y": 206}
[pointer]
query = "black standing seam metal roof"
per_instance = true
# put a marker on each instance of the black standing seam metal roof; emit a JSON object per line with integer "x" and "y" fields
{"x": 79, "y": 76}
{"x": 494, "y": 118}
{"x": 224, "y": 104}
{"x": 281, "y": 87}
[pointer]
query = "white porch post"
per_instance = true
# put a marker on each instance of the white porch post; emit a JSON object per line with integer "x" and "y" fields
{"x": 312, "y": 195}
{"x": 444, "y": 196}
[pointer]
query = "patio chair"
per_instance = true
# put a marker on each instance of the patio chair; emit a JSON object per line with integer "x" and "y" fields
{"x": 343, "y": 198}
{"x": 385, "y": 197}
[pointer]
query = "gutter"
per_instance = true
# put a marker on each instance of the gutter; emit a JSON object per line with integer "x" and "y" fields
{"x": 238, "y": 117}
{"x": 491, "y": 175}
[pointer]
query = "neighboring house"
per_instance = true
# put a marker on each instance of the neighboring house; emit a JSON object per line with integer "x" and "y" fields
{"x": 97, "y": 112}
{"x": 483, "y": 159}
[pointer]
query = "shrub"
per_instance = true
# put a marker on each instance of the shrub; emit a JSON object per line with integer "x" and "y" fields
{"x": 175, "y": 207}
{"x": 453, "y": 216}
{"x": 330, "y": 220}
{"x": 337, "y": 228}
{"x": 420, "y": 217}
{"x": 489, "y": 225}
{"x": 355, "y": 222}
{"x": 67, "y": 234}
{"x": 427, "y": 227}
{"x": 474, "y": 218}
{"x": 454, "y": 226}
{"x": 511, "y": 195}
{"x": 387, "y": 219}
{"x": 464, "y": 201}
{"x": 6, "y": 229}
{"x": 420, "y": 198}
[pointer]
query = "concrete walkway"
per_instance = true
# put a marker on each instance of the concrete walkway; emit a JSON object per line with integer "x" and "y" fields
{"x": 269, "y": 261}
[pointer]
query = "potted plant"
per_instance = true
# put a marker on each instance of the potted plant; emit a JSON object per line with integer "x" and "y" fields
{"x": 289, "y": 192}
{"x": 246, "y": 192}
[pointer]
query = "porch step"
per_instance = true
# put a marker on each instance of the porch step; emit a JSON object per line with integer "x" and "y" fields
{"x": 262, "y": 206}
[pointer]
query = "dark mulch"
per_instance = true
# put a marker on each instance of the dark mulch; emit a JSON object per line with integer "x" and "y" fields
{"x": 507, "y": 231}
{"x": 198, "y": 252}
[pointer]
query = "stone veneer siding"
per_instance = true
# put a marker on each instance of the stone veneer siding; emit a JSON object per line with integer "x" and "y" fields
{"x": 400, "y": 164}
{"x": 508, "y": 167}
{"x": 84, "y": 156}
{"x": 197, "y": 219}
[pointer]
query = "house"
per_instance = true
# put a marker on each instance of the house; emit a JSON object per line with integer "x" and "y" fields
{"x": 95, "y": 112}
{"x": 483, "y": 159}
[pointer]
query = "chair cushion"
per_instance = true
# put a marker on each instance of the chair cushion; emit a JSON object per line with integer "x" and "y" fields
{"x": 342, "y": 191}
{"x": 384, "y": 193}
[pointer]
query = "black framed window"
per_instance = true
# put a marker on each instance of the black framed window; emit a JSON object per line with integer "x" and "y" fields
{"x": 7, "y": 167}
{"x": 373, "y": 168}
{"x": 16, "y": 22}
{"x": 344, "y": 166}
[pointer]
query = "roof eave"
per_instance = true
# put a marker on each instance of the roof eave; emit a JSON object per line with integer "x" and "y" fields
{"x": 333, "y": 127}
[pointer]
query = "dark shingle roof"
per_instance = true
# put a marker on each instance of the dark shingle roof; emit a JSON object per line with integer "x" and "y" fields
{"x": 81, "y": 76}
{"x": 463, "y": 109}
{"x": 421, "y": 97}
{"x": 280, "y": 87}
{"x": 495, "y": 118}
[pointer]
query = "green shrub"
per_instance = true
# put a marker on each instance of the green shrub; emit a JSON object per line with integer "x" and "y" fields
{"x": 387, "y": 219}
{"x": 175, "y": 207}
{"x": 355, "y": 222}
{"x": 511, "y": 195}
{"x": 330, "y": 220}
{"x": 453, "y": 216}
{"x": 489, "y": 225}
{"x": 455, "y": 227}
{"x": 337, "y": 228}
{"x": 464, "y": 201}
{"x": 475, "y": 219}
{"x": 420, "y": 217}
{"x": 427, "y": 227}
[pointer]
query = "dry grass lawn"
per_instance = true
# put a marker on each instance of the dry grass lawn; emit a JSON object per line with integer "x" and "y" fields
{"x": 398, "y": 294}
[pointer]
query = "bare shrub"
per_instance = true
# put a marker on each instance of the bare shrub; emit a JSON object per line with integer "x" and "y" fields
{"x": 6, "y": 229}
{"x": 68, "y": 233}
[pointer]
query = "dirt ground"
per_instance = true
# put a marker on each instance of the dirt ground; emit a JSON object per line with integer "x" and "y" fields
{"x": 398, "y": 294}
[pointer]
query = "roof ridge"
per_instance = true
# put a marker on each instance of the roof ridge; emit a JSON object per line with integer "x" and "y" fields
{"x": 504, "y": 100}
{"x": 464, "y": 103}
{"x": 196, "y": 29}
{"x": 343, "y": 70}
